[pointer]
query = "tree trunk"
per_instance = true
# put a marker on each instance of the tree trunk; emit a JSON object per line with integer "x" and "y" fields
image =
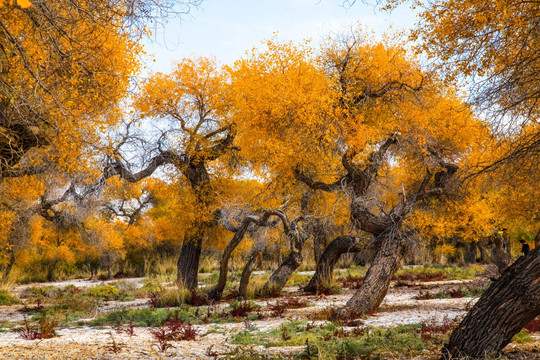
{"x": 325, "y": 266}
{"x": 505, "y": 307}
{"x": 470, "y": 252}
{"x": 121, "y": 264}
{"x": 188, "y": 262}
{"x": 50, "y": 271}
{"x": 254, "y": 261}
{"x": 537, "y": 240}
{"x": 217, "y": 291}
{"x": 9, "y": 266}
{"x": 282, "y": 274}
{"x": 377, "y": 280}
{"x": 483, "y": 252}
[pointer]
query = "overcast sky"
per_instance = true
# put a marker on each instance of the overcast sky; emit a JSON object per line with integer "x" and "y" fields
{"x": 227, "y": 28}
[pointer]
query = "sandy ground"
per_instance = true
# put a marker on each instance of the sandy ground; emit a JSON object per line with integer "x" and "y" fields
{"x": 399, "y": 307}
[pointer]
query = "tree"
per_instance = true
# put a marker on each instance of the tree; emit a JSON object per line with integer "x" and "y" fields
{"x": 496, "y": 43}
{"x": 192, "y": 98}
{"x": 363, "y": 120}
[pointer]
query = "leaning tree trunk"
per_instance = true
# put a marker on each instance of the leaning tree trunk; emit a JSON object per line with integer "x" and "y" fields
{"x": 254, "y": 261}
{"x": 325, "y": 266}
{"x": 283, "y": 273}
{"x": 537, "y": 240}
{"x": 505, "y": 307}
{"x": 377, "y": 280}
{"x": 188, "y": 262}
{"x": 217, "y": 291}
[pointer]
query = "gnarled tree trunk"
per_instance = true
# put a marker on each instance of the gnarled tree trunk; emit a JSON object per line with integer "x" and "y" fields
{"x": 297, "y": 237}
{"x": 505, "y": 307}
{"x": 377, "y": 280}
{"x": 325, "y": 266}
{"x": 279, "y": 278}
{"x": 188, "y": 262}
{"x": 216, "y": 292}
{"x": 254, "y": 261}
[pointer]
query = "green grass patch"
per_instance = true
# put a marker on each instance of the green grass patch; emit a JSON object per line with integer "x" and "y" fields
{"x": 331, "y": 341}
{"x": 298, "y": 279}
{"x": 522, "y": 337}
{"x": 6, "y": 298}
{"x": 437, "y": 273}
{"x": 139, "y": 317}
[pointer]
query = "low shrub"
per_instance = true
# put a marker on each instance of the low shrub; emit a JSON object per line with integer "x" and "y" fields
{"x": 432, "y": 329}
{"x": 453, "y": 293}
{"x": 105, "y": 292}
{"x": 6, "y": 298}
{"x": 46, "y": 330}
{"x": 240, "y": 309}
{"x": 170, "y": 298}
{"x": 289, "y": 302}
{"x": 351, "y": 282}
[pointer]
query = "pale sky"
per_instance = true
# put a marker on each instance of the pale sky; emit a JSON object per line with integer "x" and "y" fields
{"x": 226, "y": 29}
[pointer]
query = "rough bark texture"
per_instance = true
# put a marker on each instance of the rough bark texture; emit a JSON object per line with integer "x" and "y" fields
{"x": 283, "y": 273}
{"x": 507, "y": 305}
{"x": 254, "y": 261}
{"x": 297, "y": 237}
{"x": 188, "y": 262}
{"x": 325, "y": 266}
{"x": 217, "y": 291}
{"x": 377, "y": 280}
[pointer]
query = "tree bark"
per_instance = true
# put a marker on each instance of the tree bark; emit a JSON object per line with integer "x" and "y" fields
{"x": 188, "y": 262}
{"x": 505, "y": 307}
{"x": 254, "y": 261}
{"x": 325, "y": 266}
{"x": 483, "y": 252}
{"x": 279, "y": 278}
{"x": 216, "y": 292}
{"x": 377, "y": 280}
{"x": 537, "y": 240}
